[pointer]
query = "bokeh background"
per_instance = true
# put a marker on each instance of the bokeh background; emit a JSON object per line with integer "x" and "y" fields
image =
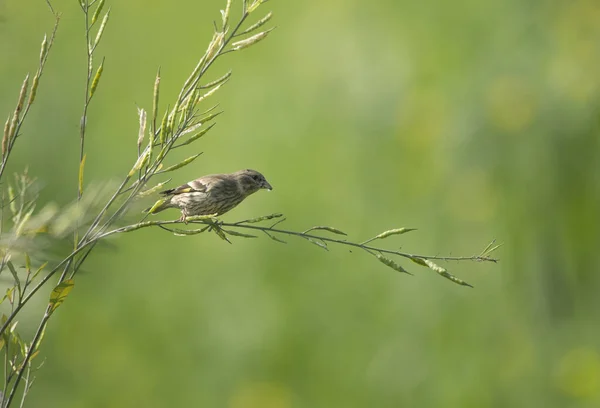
{"x": 469, "y": 120}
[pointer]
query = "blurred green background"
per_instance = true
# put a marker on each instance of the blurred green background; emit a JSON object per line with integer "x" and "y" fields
{"x": 469, "y": 120}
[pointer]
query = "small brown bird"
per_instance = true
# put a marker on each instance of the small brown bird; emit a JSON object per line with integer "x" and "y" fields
{"x": 213, "y": 194}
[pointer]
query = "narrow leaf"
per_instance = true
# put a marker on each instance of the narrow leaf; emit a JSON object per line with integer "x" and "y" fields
{"x": 254, "y": 5}
{"x": 155, "y": 103}
{"x": 225, "y": 14}
{"x": 42, "y": 266}
{"x": 385, "y": 234}
{"x": 274, "y": 238}
{"x": 153, "y": 189}
{"x": 13, "y": 271}
{"x": 22, "y": 96}
{"x": 445, "y": 274}
{"x": 5, "y": 137}
{"x": 23, "y": 222}
{"x": 27, "y": 263}
{"x": 101, "y": 29}
{"x": 210, "y": 117}
{"x": 238, "y": 45}
{"x": 12, "y": 200}
{"x": 207, "y": 94}
{"x": 142, "y": 128}
{"x": 96, "y": 79}
{"x": 396, "y": 231}
{"x": 141, "y": 161}
{"x": 97, "y": 12}
{"x": 182, "y": 232}
{"x": 221, "y": 235}
{"x": 156, "y": 205}
{"x": 239, "y": 234}
{"x": 81, "y": 167}
{"x": 217, "y": 81}
{"x": 258, "y": 24}
{"x": 317, "y": 243}
{"x": 325, "y": 228}
{"x": 197, "y": 135}
{"x": 44, "y": 48}
{"x": 189, "y": 129}
{"x": 60, "y": 293}
{"x": 180, "y": 164}
{"x": 164, "y": 131}
{"x": 418, "y": 261}
{"x": 391, "y": 264}
{"x": 34, "y": 87}
{"x": 8, "y": 294}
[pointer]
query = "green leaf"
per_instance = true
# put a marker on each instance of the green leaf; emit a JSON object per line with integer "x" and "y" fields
{"x": 325, "y": 228}
{"x": 154, "y": 189}
{"x": 42, "y": 266}
{"x": 97, "y": 12}
{"x": 60, "y": 293}
{"x": 210, "y": 117}
{"x": 258, "y": 24}
{"x": 442, "y": 271}
{"x": 197, "y": 135}
{"x": 217, "y": 81}
{"x": 391, "y": 264}
{"x": 418, "y": 261}
{"x": 23, "y": 222}
{"x": 8, "y": 294}
{"x": 13, "y": 271}
{"x": 221, "y": 234}
{"x": 141, "y": 161}
{"x": 239, "y": 234}
{"x": 239, "y": 45}
{"x": 155, "y": 104}
{"x": 274, "y": 238}
{"x": 101, "y": 29}
{"x": 164, "y": 130}
{"x": 27, "y": 263}
{"x": 5, "y": 335}
{"x": 157, "y": 205}
{"x": 317, "y": 243}
{"x": 12, "y": 200}
{"x": 180, "y": 164}
{"x": 182, "y": 232}
{"x": 96, "y": 79}
{"x": 81, "y": 167}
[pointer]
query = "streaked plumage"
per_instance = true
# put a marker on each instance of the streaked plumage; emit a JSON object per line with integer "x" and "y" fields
{"x": 213, "y": 194}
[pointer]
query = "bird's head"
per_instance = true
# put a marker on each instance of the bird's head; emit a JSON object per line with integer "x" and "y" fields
{"x": 251, "y": 181}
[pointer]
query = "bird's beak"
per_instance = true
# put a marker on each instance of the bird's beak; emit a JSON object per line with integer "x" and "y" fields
{"x": 267, "y": 186}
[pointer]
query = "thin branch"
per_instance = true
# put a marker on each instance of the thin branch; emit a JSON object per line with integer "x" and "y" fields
{"x": 194, "y": 220}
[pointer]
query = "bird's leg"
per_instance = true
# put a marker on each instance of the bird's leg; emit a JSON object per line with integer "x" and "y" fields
{"x": 183, "y": 217}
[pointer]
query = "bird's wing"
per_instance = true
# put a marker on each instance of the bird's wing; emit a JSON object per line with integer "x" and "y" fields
{"x": 201, "y": 185}
{"x": 192, "y": 186}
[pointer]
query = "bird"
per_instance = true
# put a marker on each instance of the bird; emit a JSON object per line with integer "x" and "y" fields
{"x": 213, "y": 194}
